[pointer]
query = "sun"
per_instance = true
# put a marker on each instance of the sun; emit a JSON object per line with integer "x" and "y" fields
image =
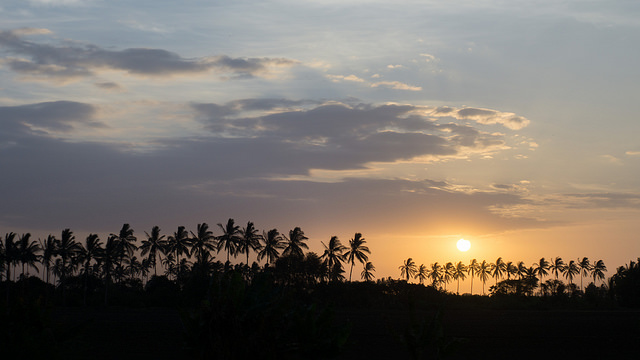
{"x": 463, "y": 245}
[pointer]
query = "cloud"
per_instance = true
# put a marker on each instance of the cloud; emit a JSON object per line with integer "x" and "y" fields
{"x": 482, "y": 116}
{"x": 71, "y": 60}
{"x": 338, "y": 78}
{"x": 56, "y": 116}
{"x": 396, "y": 85}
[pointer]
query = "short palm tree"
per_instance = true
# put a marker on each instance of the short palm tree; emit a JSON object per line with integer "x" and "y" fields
{"x": 154, "y": 245}
{"x": 273, "y": 242}
{"x": 357, "y": 251}
{"x": 295, "y": 243}
{"x": 367, "y": 272}
{"x": 408, "y": 269}
{"x": 422, "y": 274}
{"x": 460, "y": 272}
{"x": 230, "y": 238}
{"x": 249, "y": 240}
{"x": 472, "y": 270}
{"x": 27, "y": 252}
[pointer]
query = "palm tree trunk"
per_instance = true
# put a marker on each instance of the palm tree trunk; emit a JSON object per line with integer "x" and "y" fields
{"x": 472, "y": 276}
{"x": 351, "y": 271}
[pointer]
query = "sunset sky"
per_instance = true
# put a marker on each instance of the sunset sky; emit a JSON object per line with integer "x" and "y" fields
{"x": 512, "y": 124}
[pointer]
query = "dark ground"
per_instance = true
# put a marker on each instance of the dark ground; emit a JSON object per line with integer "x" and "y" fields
{"x": 122, "y": 333}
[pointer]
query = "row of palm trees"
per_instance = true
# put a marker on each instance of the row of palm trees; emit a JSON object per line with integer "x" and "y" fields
{"x": 117, "y": 259}
{"x": 441, "y": 275}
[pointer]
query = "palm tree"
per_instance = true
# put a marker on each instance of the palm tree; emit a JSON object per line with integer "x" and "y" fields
{"x": 357, "y": 250}
{"x": 557, "y": 266}
{"x": 91, "y": 251}
{"x": 109, "y": 257}
{"x": 333, "y": 256}
{"x": 126, "y": 243}
{"x": 498, "y": 269}
{"x": 408, "y": 269}
{"x": 585, "y": 267}
{"x": 230, "y": 238}
{"x": 484, "y": 270}
{"x": 178, "y": 244}
{"x": 448, "y": 273}
{"x": 598, "y": 270}
{"x": 49, "y": 250}
{"x": 273, "y": 242}
{"x": 202, "y": 242}
{"x": 154, "y": 245}
{"x": 541, "y": 269}
{"x": 295, "y": 243}
{"x": 472, "y": 270}
{"x": 511, "y": 269}
{"x": 460, "y": 272}
{"x": 422, "y": 274}
{"x": 10, "y": 252}
{"x": 68, "y": 249}
{"x": 522, "y": 269}
{"x": 571, "y": 270}
{"x": 249, "y": 240}
{"x": 436, "y": 274}
{"x": 27, "y": 252}
{"x": 367, "y": 272}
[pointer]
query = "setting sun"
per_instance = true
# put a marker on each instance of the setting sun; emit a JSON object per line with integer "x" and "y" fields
{"x": 463, "y": 245}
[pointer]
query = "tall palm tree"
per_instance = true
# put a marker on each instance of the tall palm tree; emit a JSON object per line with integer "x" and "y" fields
{"x": 408, "y": 269}
{"x": 448, "y": 273}
{"x": 557, "y": 266}
{"x": 472, "y": 270}
{"x": 109, "y": 257}
{"x": 499, "y": 268}
{"x": 585, "y": 267}
{"x": 249, "y": 240}
{"x": 571, "y": 270}
{"x": 460, "y": 272}
{"x": 273, "y": 242}
{"x": 295, "y": 243}
{"x": 230, "y": 238}
{"x": 333, "y": 256}
{"x": 367, "y": 272}
{"x": 49, "y": 251}
{"x": 436, "y": 274}
{"x": 522, "y": 269}
{"x": 10, "y": 252}
{"x": 598, "y": 270}
{"x": 68, "y": 250}
{"x": 126, "y": 243}
{"x": 154, "y": 245}
{"x": 422, "y": 274}
{"x": 27, "y": 252}
{"x": 484, "y": 270}
{"x": 357, "y": 251}
{"x": 202, "y": 241}
{"x": 541, "y": 269}
{"x": 178, "y": 244}
{"x": 91, "y": 251}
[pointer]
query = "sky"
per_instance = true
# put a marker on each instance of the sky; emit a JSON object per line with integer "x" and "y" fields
{"x": 512, "y": 124}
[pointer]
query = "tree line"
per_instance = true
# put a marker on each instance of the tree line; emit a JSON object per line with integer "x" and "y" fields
{"x": 529, "y": 276}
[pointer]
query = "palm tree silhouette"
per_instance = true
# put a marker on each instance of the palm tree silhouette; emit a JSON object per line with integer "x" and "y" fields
{"x": 408, "y": 269}
{"x": 422, "y": 274}
{"x": 49, "y": 250}
{"x": 126, "y": 245}
{"x": 460, "y": 272}
{"x": 499, "y": 268}
{"x": 68, "y": 249}
{"x": 598, "y": 270}
{"x": 541, "y": 270}
{"x": 91, "y": 251}
{"x": 522, "y": 270}
{"x": 109, "y": 257}
{"x": 295, "y": 243}
{"x": 273, "y": 242}
{"x": 484, "y": 270}
{"x": 511, "y": 269}
{"x": 249, "y": 240}
{"x": 178, "y": 244}
{"x": 367, "y": 272}
{"x": 230, "y": 238}
{"x": 472, "y": 270}
{"x": 10, "y": 252}
{"x": 557, "y": 266}
{"x": 448, "y": 274}
{"x": 571, "y": 270}
{"x": 154, "y": 245}
{"x": 202, "y": 241}
{"x": 357, "y": 250}
{"x": 27, "y": 252}
{"x": 436, "y": 274}
{"x": 333, "y": 256}
{"x": 585, "y": 268}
